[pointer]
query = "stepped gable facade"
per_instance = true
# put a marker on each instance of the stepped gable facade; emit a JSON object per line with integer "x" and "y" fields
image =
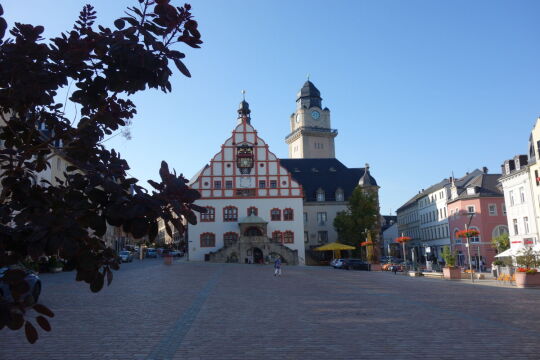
{"x": 254, "y": 206}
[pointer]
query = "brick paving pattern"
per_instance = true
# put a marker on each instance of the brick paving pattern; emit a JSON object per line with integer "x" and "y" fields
{"x": 232, "y": 311}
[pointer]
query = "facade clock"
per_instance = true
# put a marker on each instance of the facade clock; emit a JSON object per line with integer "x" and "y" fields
{"x": 315, "y": 115}
{"x": 244, "y": 158}
{"x": 297, "y": 118}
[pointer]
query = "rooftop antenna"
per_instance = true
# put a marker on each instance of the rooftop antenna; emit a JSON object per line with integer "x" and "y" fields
{"x": 307, "y": 76}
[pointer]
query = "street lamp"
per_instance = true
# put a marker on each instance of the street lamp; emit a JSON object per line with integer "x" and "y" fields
{"x": 403, "y": 239}
{"x": 468, "y": 234}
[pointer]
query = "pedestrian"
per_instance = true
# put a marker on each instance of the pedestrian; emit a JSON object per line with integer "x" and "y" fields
{"x": 277, "y": 267}
{"x": 394, "y": 269}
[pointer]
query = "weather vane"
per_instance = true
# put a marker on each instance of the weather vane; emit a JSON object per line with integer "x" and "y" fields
{"x": 244, "y": 95}
{"x": 307, "y": 76}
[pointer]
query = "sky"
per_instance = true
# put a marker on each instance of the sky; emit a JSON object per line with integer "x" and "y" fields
{"x": 418, "y": 89}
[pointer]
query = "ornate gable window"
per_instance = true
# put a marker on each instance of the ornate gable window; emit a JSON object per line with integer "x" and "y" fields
{"x": 244, "y": 158}
{"x": 230, "y": 213}
{"x": 277, "y": 237}
{"x": 252, "y": 210}
{"x": 210, "y": 215}
{"x": 275, "y": 215}
{"x": 288, "y": 214}
{"x": 208, "y": 240}
{"x": 288, "y": 237}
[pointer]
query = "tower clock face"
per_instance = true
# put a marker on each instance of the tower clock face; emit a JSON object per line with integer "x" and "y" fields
{"x": 244, "y": 158}
{"x": 297, "y": 118}
{"x": 315, "y": 115}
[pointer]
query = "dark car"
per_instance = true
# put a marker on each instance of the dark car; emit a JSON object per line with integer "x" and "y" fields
{"x": 355, "y": 264}
{"x": 31, "y": 278}
{"x": 151, "y": 253}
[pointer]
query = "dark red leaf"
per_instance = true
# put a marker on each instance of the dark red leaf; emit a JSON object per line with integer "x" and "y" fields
{"x": 42, "y": 309}
{"x": 183, "y": 69}
{"x": 97, "y": 284}
{"x": 16, "y": 321}
{"x": 31, "y": 332}
{"x": 44, "y": 323}
{"x": 109, "y": 277}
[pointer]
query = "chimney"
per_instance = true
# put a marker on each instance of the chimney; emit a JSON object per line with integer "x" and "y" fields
{"x": 485, "y": 170}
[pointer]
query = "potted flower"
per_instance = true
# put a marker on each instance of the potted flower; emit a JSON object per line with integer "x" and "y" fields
{"x": 527, "y": 275}
{"x": 450, "y": 271}
{"x": 55, "y": 265}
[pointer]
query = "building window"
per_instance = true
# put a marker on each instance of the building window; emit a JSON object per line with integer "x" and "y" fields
{"x": 504, "y": 209}
{"x": 511, "y": 193}
{"x": 499, "y": 230}
{"x": 288, "y": 237}
{"x": 474, "y": 239}
{"x": 306, "y": 237}
{"x": 277, "y": 237}
{"x": 492, "y": 209}
{"x": 526, "y": 224}
{"x": 321, "y": 218}
{"x": 252, "y": 210}
{"x": 288, "y": 215}
{"x": 457, "y": 239}
{"x": 522, "y": 194}
{"x": 217, "y": 184}
{"x": 230, "y": 238}
{"x": 275, "y": 215}
{"x": 470, "y": 209}
{"x": 228, "y": 184}
{"x": 516, "y": 230}
{"x": 322, "y": 237}
{"x": 230, "y": 213}
{"x": 273, "y": 184}
{"x": 262, "y": 184}
{"x": 210, "y": 215}
{"x": 208, "y": 240}
{"x": 320, "y": 195}
{"x": 305, "y": 218}
{"x": 339, "y": 195}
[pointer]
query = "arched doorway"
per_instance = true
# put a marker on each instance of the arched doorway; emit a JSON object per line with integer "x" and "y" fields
{"x": 258, "y": 257}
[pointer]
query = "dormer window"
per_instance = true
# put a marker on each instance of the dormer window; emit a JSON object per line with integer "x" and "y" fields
{"x": 339, "y": 195}
{"x": 471, "y": 191}
{"x": 321, "y": 195}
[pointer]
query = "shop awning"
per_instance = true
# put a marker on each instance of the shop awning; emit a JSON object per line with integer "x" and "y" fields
{"x": 334, "y": 246}
{"x": 511, "y": 252}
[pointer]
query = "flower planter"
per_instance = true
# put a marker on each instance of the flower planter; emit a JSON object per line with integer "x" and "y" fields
{"x": 375, "y": 267}
{"x": 524, "y": 280}
{"x": 452, "y": 273}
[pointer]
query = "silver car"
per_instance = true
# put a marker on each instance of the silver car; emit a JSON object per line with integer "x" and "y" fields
{"x": 125, "y": 256}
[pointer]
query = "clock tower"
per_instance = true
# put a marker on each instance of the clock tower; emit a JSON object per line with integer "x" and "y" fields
{"x": 311, "y": 136}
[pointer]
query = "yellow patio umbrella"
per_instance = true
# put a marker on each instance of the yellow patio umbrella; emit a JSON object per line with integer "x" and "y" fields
{"x": 335, "y": 247}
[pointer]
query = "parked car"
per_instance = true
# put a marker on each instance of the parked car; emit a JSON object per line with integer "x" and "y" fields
{"x": 151, "y": 253}
{"x": 31, "y": 278}
{"x": 337, "y": 263}
{"x": 125, "y": 256}
{"x": 355, "y": 264}
{"x": 177, "y": 253}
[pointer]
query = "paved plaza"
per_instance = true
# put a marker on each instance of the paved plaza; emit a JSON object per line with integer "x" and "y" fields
{"x": 237, "y": 311}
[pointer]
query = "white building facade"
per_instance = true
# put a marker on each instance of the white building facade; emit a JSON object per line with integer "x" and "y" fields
{"x": 245, "y": 183}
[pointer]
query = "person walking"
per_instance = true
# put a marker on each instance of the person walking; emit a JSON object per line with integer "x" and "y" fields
{"x": 277, "y": 267}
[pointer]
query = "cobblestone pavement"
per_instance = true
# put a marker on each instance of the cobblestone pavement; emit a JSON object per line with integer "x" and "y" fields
{"x": 230, "y": 311}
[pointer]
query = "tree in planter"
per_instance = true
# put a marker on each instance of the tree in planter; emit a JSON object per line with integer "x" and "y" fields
{"x": 361, "y": 214}
{"x": 528, "y": 259}
{"x": 449, "y": 257}
{"x": 105, "y": 66}
{"x": 501, "y": 242}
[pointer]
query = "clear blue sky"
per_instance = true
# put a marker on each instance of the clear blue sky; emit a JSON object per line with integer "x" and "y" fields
{"x": 417, "y": 88}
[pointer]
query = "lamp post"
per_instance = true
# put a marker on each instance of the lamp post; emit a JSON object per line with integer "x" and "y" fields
{"x": 403, "y": 239}
{"x": 469, "y": 245}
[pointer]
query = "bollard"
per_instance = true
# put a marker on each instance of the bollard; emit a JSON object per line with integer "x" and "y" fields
{"x": 167, "y": 259}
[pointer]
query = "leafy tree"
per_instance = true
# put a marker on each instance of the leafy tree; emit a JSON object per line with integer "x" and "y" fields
{"x": 501, "y": 242}
{"x": 105, "y": 66}
{"x": 361, "y": 215}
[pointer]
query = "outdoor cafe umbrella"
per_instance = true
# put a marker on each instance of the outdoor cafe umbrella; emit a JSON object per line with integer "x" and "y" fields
{"x": 335, "y": 247}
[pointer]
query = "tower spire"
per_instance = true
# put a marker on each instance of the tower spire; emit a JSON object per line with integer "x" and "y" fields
{"x": 243, "y": 110}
